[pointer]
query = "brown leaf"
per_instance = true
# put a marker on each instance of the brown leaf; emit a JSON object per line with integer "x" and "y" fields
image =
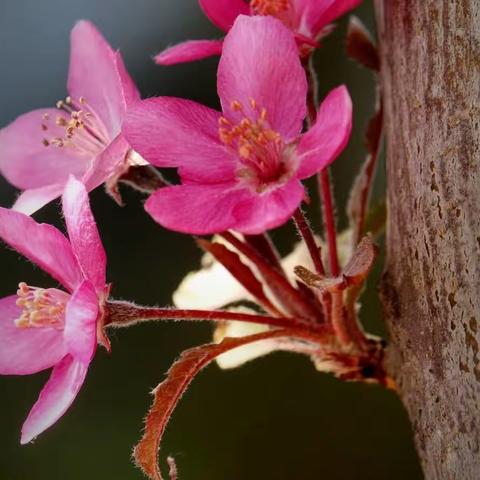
{"x": 361, "y": 262}
{"x": 242, "y": 273}
{"x": 322, "y": 283}
{"x": 169, "y": 392}
{"x": 360, "y": 45}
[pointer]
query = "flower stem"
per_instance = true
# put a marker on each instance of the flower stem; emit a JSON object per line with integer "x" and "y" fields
{"x": 329, "y": 221}
{"x": 122, "y": 314}
{"x": 306, "y": 232}
{"x": 323, "y": 177}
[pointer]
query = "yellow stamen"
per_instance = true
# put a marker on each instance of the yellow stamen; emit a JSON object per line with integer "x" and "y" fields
{"x": 269, "y": 7}
{"x": 40, "y": 307}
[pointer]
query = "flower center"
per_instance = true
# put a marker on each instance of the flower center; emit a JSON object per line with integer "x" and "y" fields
{"x": 262, "y": 153}
{"x": 269, "y": 7}
{"x": 41, "y": 307}
{"x": 83, "y": 131}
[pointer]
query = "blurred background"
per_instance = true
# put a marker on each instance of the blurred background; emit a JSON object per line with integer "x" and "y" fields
{"x": 275, "y": 418}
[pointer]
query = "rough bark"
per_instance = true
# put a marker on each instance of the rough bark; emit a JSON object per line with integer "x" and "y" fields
{"x": 430, "y": 52}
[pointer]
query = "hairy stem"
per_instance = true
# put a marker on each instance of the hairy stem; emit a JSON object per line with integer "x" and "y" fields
{"x": 306, "y": 233}
{"x": 122, "y": 314}
{"x": 328, "y": 206}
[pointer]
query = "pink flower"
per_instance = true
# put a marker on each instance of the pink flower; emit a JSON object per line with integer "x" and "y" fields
{"x": 43, "y": 328}
{"x": 241, "y": 170}
{"x": 308, "y": 19}
{"x": 81, "y": 137}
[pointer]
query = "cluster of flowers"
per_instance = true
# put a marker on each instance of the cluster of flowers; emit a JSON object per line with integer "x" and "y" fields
{"x": 241, "y": 173}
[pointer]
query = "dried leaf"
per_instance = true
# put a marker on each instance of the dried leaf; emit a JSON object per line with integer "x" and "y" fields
{"x": 324, "y": 284}
{"x": 169, "y": 392}
{"x": 360, "y": 45}
{"x": 361, "y": 262}
{"x": 243, "y": 274}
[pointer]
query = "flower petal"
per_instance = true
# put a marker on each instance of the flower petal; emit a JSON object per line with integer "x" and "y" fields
{"x": 41, "y": 244}
{"x": 224, "y": 12}
{"x": 259, "y": 213}
{"x": 322, "y": 144}
{"x": 81, "y": 323}
{"x": 171, "y": 132}
{"x": 316, "y": 15}
{"x": 209, "y": 288}
{"x": 196, "y": 209}
{"x": 24, "y": 351}
{"x": 111, "y": 162}
{"x": 130, "y": 91}
{"x": 83, "y": 233}
{"x": 260, "y": 62}
{"x": 55, "y": 398}
{"x": 26, "y": 162}
{"x": 189, "y": 51}
{"x": 94, "y": 75}
{"x": 239, "y": 356}
{"x": 29, "y": 201}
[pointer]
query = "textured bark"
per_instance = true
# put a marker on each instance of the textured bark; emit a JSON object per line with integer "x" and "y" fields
{"x": 430, "y": 53}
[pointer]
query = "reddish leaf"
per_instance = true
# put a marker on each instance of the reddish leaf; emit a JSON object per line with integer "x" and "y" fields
{"x": 361, "y": 262}
{"x": 360, "y": 45}
{"x": 360, "y": 192}
{"x": 242, "y": 273}
{"x": 264, "y": 246}
{"x": 179, "y": 377}
{"x": 289, "y": 297}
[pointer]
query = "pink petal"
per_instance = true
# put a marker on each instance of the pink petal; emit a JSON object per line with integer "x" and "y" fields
{"x": 171, "y": 132}
{"x": 252, "y": 67}
{"x": 129, "y": 89}
{"x": 318, "y": 14}
{"x": 41, "y": 244}
{"x": 93, "y": 75}
{"x": 83, "y": 233}
{"x": 81, "y": 323}
{"x": 196, "y": 209}
{"x": 224, "y": 12}
{"x": 55, "y": 398}
{"x": 29, "y": 201}
{"x": 269, "y": 210}
{"x": 24, "y": 351}
{"x": 189, "y": 51}
{"x": 26, "y": 162}
{"x": 322, "y": 144}
{"x": 110, "y": 162}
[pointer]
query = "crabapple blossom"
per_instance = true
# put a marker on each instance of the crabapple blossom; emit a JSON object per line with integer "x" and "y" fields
{"x": 82, "y": 136}
{"x": 308, "y": 20}
{"x": 240, "y": 169}
{"x": 42, "y": 328}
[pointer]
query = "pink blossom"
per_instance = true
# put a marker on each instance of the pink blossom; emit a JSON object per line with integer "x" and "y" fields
{"x": 81, "y": 137}
{"x": 308, "y": 19}
{"x": 241, "y": 169}
{"x": 42, "y": 328}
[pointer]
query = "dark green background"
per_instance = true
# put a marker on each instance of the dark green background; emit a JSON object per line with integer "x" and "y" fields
{"x": 276, "y": 418}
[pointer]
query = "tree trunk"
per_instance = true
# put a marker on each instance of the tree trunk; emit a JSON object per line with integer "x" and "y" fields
{"x": 430, "y": 52}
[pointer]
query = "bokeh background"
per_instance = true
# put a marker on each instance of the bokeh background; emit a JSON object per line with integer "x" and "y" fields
{"x": 275, "y": 418}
